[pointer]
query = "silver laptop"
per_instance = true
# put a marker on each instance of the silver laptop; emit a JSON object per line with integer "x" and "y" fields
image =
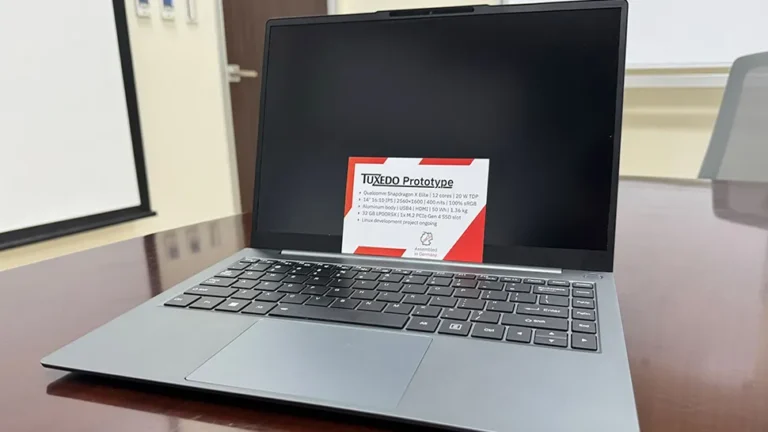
{"x": 528, "y": 340}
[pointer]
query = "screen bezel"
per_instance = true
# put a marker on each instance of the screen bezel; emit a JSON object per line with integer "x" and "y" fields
{"x": 581, "y": 259}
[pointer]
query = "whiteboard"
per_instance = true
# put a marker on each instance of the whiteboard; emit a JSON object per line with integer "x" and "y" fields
{"x": 692, "y": 33}
{"x": 66, "y": 148}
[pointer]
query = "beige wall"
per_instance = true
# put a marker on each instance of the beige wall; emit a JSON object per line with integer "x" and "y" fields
{"x": 183, "y": 103}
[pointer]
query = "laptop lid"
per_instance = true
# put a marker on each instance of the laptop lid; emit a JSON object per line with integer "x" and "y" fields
{"x": 536, "y": 89}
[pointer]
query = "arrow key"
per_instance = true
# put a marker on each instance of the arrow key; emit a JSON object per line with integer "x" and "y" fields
{"x": 552, "y": 334}
{"x": 584, "y": 342}
{"x": 519, "y": 334}
{"x": 550, "y": 341}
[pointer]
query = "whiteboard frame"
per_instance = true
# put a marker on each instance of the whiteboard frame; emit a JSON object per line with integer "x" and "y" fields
{"x": 70, "y": 226}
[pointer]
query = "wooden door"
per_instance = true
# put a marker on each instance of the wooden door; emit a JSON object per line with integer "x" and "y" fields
{"x": 244, "y": 23}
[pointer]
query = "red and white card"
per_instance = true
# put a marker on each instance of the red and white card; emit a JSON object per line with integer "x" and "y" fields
{"x": 432, "y": 208}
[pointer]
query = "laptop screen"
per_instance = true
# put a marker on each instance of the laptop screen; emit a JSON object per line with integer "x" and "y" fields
{"x": 533, "y": 92}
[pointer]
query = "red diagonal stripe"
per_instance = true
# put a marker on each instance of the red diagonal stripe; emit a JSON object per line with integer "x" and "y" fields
{"x": 380, "y": 251}
{"x": 469, "y": 247}
{"x": 351, "y": 177}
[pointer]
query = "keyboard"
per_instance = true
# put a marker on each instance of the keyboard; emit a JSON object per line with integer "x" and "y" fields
{"x": 506, "y": 309}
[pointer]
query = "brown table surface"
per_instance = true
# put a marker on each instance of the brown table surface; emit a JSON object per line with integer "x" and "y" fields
{"x": 692, "y": 272}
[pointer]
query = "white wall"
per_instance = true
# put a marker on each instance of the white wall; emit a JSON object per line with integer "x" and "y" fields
{"x": 183, "y": 104}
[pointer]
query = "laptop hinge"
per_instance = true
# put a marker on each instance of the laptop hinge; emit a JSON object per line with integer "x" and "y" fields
{"x": 395, "y": 261}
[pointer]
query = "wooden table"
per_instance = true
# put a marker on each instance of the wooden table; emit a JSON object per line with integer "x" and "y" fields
{"x": 693, "y": 286}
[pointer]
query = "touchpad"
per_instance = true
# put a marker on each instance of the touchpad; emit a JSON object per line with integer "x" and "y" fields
{"x": 363, "y": 367}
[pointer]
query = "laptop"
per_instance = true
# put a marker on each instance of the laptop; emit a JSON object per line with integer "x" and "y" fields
{"x": 528, "y": 339}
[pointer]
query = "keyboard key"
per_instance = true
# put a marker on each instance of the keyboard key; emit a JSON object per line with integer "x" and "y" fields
{"x": 464, "y": 283}
{"x": 442, "y": 301}
{"x": 470, "y": 293}
{"x": 273, "y": 277}
{"x": 245, "y": 294}
{"x": 485, "y": 317}
{"x": 517, "y": 287}
{"x": 494, "y": 295}
{"x": 279, "y": 268}
{"x": 301, "y": 271}
{"x": 318, "y": 280}
{"x": 553, "y": 300}
{"x": 493, "y": 286}
{"x": 584, "y": 293}
{"x": 418, "y": 280}
{"x": 315, "y": 290}
{"x": 416, "y": 299}
{"x": 444, "y": 274}
{"x": 270, "y": 262}
{"x": 421, "y": 273}
{"x": 519, "y": 334}
{"x": 271, "y": 296}
{"x": 487, "y": 278}
{"x": 182, "y": 300}
{"x": 345, "y": 274}
{"x": 543, "y": 340}
{"x": 267, "y": 286}
{"x": 439, "y": 281}
{"x": 244, "y": 284}
{"x": 372, "y": 306}
{"x": 511, "y": 279}
{"x": 342, "y": 283}
{"x": 365, "y": 284}
{"x": 206, "y": 303}
{"x": 428, "y": 325}
{"x": 583, "y": 303}
{"x": 398, "y": 308}
{"x": 401, "y": 272}
{"x": 252, "y": 275}
{"x": 321, "y": 301}
{"x": 219, "y": 282}
{"x": 583, "y": 326}
{"x": 560, "y": 283}
{"x": 345, "y": 303}
{"x": 382, "y": 270}
{"x": 292, "y": 288}
{"x": 498, "y": 306}
{"x": 229, "y": 274}
{"x": 390, "y": 297}
{"x": 367, "y": 276}
{"x": 548, "y": 311}
{"x": 294, "y": 279}
{"x": 551, "y": 290}
{"x": 322, "y": 273}
{"x": 260, "y": 267}
{"x": 391, "y": 278}
{"x": 488, "y": 331}
{"x": 426, "y": 311}
{"x": 465, "y": 276}
{"x": 584, "y": 342}
{"x": 535, "y": 322}
{"x": 456, "y": 328}
{"x": 259, "y": 308}
{"x": 440, "y": 291}
{"x": 341, "y": 315}
{"x": 211, "y": 291}
{"x": 522, "y": 298}
{"x": 584, "y": 314}
{"x": 362, "y": 269}
{"x": 587, "y": 285}
{"x": 414, "y": 289}
{"x": 471, "y": 304}
{"x": 250, "y": 260}
{"x": 535, "y": 281}
{"x": 295, "y": 298}
{"x": 238, "y": 266}
{"x": 364, "y": 295}
{"x": 340, "y": 292}
{"x": 232, "y": 305}
{"x": 551, "y": 334}
{"x": 455, "y": 314}
{"x": 389, "y": 286}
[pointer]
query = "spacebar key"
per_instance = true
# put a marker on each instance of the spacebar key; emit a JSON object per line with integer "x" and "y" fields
{"x": 340, "y": 315}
